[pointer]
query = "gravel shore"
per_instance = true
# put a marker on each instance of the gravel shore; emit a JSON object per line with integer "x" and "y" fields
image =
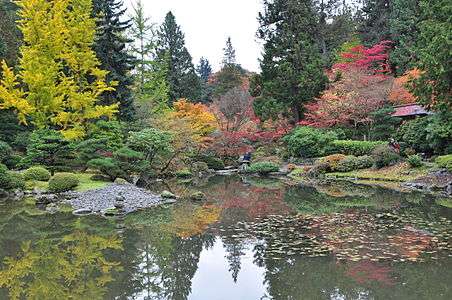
{"x": 100, "y": 199}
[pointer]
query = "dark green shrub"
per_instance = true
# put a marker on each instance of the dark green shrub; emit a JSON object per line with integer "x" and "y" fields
{"x": 49, "y": 148}
{"x": 37, "y": 173}
{"x": 364, "y": 162}
{"x": 356, "y": 148}
{"x": 183, "y": 173}
{"x": 212, "y": 162}
{"x": 263, "y": 168}
{"x": 444, "y": 162}
{"x": 123, "y": 164}
{"x": 199, "y": 167}
{"x": 384, "y": 156}
{"x": 5, "y": 152}
{"x": 415, "y": 161}
{"x": 430, "y": 135}
{"x": 63, "y": 182}
{"x": 14, "y": 161}
{"x": 308, "y": 142}
{"x": 10, "y": 180}
{"x": 351, "y": 163}
{"x": 107, "y": 166}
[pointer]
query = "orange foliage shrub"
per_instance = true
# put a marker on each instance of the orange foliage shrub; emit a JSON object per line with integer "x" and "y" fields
{"x": 400, "y": 94}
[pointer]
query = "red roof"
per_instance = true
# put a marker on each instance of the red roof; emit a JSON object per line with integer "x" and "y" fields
{"x": 409, "y": 110}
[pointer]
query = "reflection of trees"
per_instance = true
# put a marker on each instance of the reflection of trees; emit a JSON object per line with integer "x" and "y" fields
{"x": 167, "y": 255}
{"x": 74, "y": 267}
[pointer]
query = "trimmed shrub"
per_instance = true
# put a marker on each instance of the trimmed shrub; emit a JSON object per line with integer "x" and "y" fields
{"x": 13, "y": 162}
{"x": 37, "y": 173}
{"x": 356, "y": 148}
{"x": 384, "y": 156}
{"x": 63, "y": 182}
{"x": 444, "y": 162}
{"x": 10, "y": 180}
{"x": 199, "y": 167}
{"x": 183, "y": 173}
{"x": 364, "y": 162}
{"x": 5, "y": 152}
{"x": 212, "y": 162}
{"x": 351, "y": 163}
{"x": 415, "y": 161}
{"x": 333, "y": 160}
{"x": 263, "y": 168}
{"x": 308, "y": 142}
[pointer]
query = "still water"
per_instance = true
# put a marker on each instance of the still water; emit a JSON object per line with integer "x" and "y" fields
{"x": 251, "y": 239}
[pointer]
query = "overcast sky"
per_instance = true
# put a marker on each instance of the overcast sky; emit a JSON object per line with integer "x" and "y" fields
{"x": 208, "y": 23}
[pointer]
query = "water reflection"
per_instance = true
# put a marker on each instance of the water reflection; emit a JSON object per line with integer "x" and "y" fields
{"x": 252, "y": 239}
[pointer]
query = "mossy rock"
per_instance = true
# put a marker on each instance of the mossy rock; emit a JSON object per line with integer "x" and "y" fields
{"x": 168, "y": 195}
{"x": 121, "y": 181}
{"x": 197, "y": 196}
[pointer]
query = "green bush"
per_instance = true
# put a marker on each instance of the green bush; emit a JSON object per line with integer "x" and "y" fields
{"x": 63, "y": 182}
{"x": 308, "y": 142}
{"x": 37, "y": 173}
{"x": 333, "y": 161}
{"x": 351, "y": 163}
{"x": 5, "y": 152}
{"x": 212, "y": 162}
{"x": 10, "y": 180}
{"x": 384, "y": 156}
{"x": 13, "y": 162}
{"x": 356, "y": 148}
{"x": 49, "y": 148}
{"x": 431, "y": 135}
{"x": 263, "y": 168}
{"x": 415, "y": 161}
{"x": 107, "y": 166}
{"x": 444, "y": 161}
{"x": 183, "y": 173}
{"x": 198, "y": 167}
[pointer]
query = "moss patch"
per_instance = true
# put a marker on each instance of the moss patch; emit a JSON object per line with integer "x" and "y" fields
{"x": 398, "y": 173}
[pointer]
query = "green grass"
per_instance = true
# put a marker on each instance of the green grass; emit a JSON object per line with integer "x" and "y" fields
{"x": 85, "y": 184}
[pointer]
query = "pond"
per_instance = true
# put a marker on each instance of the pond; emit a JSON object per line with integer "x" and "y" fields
{"x": 251, "y": 239}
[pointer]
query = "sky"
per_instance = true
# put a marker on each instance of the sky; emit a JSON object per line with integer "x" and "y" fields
{"x": 208, "y": 23}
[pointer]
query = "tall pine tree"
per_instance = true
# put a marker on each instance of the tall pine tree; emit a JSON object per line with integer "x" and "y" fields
{"x": 292, "y": 68}
{"x": 142, "y": 32}
{"x": 10, "y": 35}
{"x": 204, "y": 69}
{"x": 110, "y": 47}
{"x": 229, "y": 58}
{"x": 374, "y": 26}
{"x": 181, "y": 75}
{"x": 404, "y": 29}
{"x": 433, "y": 48}
{"x": 231, "y": 73}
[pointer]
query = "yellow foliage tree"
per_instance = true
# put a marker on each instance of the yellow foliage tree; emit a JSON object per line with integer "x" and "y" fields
{"x": 59, "y": 80}
{"x": 201, "y": 121}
